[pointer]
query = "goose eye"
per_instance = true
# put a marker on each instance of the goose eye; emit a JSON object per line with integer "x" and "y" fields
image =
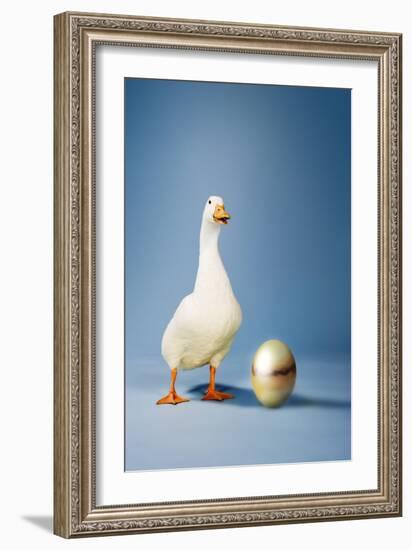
{"x": 210, "y": 202}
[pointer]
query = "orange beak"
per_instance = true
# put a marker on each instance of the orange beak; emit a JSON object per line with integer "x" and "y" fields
{"x": 220, "y": 215}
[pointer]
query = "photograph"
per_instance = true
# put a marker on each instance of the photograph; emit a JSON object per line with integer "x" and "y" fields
{"x": 237, "y": 274}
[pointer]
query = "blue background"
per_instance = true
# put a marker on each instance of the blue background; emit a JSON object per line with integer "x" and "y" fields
{"x": 280, "y": 158}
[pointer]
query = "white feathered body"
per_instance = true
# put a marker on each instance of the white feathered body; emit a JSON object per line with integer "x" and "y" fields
{"x": 205, "y": 323}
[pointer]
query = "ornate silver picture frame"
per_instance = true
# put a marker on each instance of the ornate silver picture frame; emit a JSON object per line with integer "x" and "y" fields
{"x": 76, "y": 510}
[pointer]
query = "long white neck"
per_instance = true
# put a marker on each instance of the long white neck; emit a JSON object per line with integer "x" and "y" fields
{"x": 211, "y": 274}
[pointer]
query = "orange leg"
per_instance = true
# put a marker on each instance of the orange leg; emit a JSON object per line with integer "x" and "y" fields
{"x": 212, "y": 394}
{"x": 172, "y": 398}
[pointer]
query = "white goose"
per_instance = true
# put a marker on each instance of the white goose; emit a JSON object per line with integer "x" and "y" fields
{"x": 205, "y": 323}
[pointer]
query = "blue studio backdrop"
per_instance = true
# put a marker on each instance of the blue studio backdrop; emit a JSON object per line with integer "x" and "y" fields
{"x": 280, "y": 157}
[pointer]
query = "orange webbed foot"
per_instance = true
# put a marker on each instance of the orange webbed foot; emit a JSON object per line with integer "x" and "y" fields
{"x": 214, "y": 395}
{"x": 172, "y": 398}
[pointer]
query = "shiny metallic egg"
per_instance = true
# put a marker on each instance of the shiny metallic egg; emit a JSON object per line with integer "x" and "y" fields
{"x": 273, "y": 373}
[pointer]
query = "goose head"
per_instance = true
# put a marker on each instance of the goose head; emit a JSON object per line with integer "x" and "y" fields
{"x": 215, "y": 212}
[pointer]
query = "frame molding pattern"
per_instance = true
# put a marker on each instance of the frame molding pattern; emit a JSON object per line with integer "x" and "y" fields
{"x": 75, "y": 511}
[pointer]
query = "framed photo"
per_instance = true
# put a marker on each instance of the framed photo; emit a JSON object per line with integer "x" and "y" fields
{"x": 227, "y": 274}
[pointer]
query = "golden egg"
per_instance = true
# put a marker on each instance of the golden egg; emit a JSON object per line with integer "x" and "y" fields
{"x": 273, "y": 373}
